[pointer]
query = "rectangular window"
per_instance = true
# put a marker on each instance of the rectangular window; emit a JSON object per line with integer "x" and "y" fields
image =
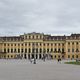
{"x": 68, "y": 56}
{"x": 68, "y": 50}
{"x": 72, "y": 50}
{"x": 11, "y": 50}
{"x": 18, "y": 50}
{"x": 25, "y": 50}
{"x": 22, "y": 50}
{"x": 55, "y": 44}
{"x": 68, "y": 43}
{"x": 4, "y": 44}
{"x": 11, "y": 44}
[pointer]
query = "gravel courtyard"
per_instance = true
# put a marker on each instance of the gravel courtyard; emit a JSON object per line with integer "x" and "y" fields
{"x": 48, "y": 70}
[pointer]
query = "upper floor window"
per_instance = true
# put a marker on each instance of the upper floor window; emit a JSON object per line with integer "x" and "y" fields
{"x": 4, "y": 44}
{"x": 62, "y": 44}
{"x": 62, "y": 49}
{"x": 29, "y": 50}
{"x": 51, "y": 49}
{"x": 72, "y": 50}
{"x": 14, "y": 50}
{"x": 22, "y": 44}
{"x": 40, "y": 44}
{"x": 11, "y": 50}
{"x": 51, "y": 44}
{"x": 8, "y": 44}
{"x": 26, "y": 37}
{"x": 25, "y": 44}
{"x": 40, "y": 37}
{"x": 68, "y": 43}
{"x": 47, "y": 44}
{"x": 77, "y": 43}
{"x": 55, "y": 50}
{"x": 55, "y": 44}
{"x": 59, "y": 44}
{"x": 68, "y": 50}
{"x": 18, "y": 44}
{"x": 47, "y": 50}
{"x": 59, "y": 50}
{"x": 40, "y": 50}
{"x": 8, "y": 50}
{"x": 29, "y": 44}
{"x": 22, "y": 50}
{"x": 11, "y": 44}
{"x": 72, "y": 43}
{"x": 25, "y": 50}
{"x": 15, "y": 44}
{"x": 37, "y": 37}
{"x": 33, "y": 36}
{"x": 36, "y": 44}
{"x": 18, "y": 50}
{"x": 33, "y": 44}
{"x": 5, "y": 50}
{"x": 29, "y": 37}
{"x": 77, "y": 50}
{"x": 44, "y": 44}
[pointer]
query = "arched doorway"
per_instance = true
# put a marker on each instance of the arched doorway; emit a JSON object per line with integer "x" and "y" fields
{"x": 28, "y": 56}
{"x": 25, "y": 57}
{"x": 40, "y": 56}
{"x": 36, "y": 56}
{"x": 32, "y": 56}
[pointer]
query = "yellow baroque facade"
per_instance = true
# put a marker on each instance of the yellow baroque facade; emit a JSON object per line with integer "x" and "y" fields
{"x": 37, "y": 45}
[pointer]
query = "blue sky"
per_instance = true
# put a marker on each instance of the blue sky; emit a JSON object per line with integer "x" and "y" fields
{"x": 47, "y": 16}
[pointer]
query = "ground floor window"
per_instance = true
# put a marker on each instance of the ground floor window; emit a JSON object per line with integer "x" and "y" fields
{"x": 68, "y": 56}
{"x": 55, "y": 56}
{"x": 76, "y": 56}
{"x": 72, "y": 56}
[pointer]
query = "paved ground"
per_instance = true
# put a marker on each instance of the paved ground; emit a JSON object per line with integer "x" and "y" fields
{"x": 49, "y": 70}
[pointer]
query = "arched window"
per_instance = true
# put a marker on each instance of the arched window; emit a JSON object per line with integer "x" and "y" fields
{"x": 72, "y": 50}
{"x": 62, "y": 49}
{"x": 29, "y": 50}
{"x": 47, "y": 50}
{"x": 8, "y": 50}
{"x": 68, "y": 56}
{"x": 44, "y": 51}
{"x": 40, "y": 50}
{"x": 51, "y": 49}
{"x": 15, "y": 50}
{"x": 29, "y": 37}
{"x": 25, "y": 50}
{"x": 59, "y": 50}
{"x": 4, "y": 50}
{"x": 18, "y": 50}
{"x": 22, "y": 50}
{"x": 68, "y": 50}
{"x": 37, "y": 50}
{"x": 72, "y": 56}
{"x": 11, "y": 50}
{"x": 77, "y": 50}
{"x": 76, "y": 56}
{"x": 55, "y": 50}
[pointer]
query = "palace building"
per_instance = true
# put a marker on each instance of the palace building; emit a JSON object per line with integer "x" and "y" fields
{"x": 37, "y": 45}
